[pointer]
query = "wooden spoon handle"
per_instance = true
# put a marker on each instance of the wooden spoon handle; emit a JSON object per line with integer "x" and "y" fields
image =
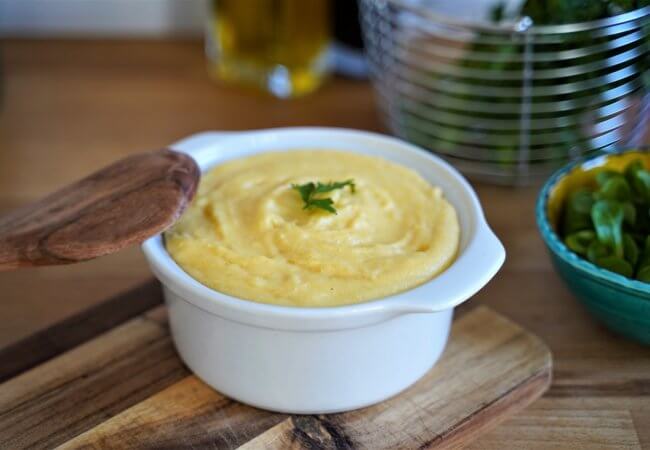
{"x": 120, "y": 205}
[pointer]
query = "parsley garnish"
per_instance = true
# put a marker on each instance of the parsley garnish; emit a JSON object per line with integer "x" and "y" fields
{"x": 308, "y": 191}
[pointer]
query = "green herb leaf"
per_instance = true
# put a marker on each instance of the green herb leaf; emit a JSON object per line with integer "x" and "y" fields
{"x": 579, "y": 241}
{"x": 332, "y": 185}
{"x": 629, "y": 213}
{"x": 639, "y": 179}
{"x": 607, "y": 216}
{"x": 322, "y": 203}
{"x": 615, "y": 188}
{"x": 644, "y": 274}
{"x": 604, "y": 176}
{"x": 643, "y": 270}
{"x": 643, "y": 182}
{"x": 608, "y": 222}
{"x": 581, "y": 201}
{"x": 577, "y": 212}
{"x": 615, "y": 264}
{"x": 597, "y": 250}
{"x": 630, "y": 250}
{"x": 308, "y": 191}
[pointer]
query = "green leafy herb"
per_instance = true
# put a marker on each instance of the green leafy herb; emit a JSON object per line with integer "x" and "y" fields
{"x": 597, "y": 251}
{"x": 629, "y": 213}
{"x": 607, "y": 217}
{"x": 510, "y": 58}
{"x": 615, "y": 188}
{"x": 309, "y": 191}
{"x": 610, "y": 225}
{"x": 630, "y": 250}
{"x": 579, "y": 241}
{"x": 616, "y": 264}
{"x": 604, "y": 176}
{"x": 577, "y": 214}
{"x": 639, "y": 179}
{"x": 333, "y": 185}
{"x": 643, "y": 272}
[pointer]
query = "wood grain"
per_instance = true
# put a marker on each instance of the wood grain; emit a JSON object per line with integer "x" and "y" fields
{"x": 490, "y": 369}
{"x": 75, "y": 330}
{"x": 551, "y": 424}
{"x": 115, "y": 207}
{"x": 83, "y": 387}
{"x": 188, "y": 414}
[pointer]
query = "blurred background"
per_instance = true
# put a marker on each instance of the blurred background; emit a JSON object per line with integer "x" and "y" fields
{"x": 103, "y": 18}
{"x": 323, "y": 26}
{"x": 506, "y": 90}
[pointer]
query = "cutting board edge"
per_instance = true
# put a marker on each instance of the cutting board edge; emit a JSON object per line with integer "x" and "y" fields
{"x": 518, "y": 398}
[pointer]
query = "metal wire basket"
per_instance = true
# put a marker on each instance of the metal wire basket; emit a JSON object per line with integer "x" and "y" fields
{"x": 508, "y": 103}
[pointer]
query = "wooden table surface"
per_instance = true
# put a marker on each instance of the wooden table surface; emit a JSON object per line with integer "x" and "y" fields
{"x": 70, "y": 107}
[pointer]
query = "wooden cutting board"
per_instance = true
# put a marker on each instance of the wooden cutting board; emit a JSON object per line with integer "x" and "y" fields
{"x": 108, "y": 382}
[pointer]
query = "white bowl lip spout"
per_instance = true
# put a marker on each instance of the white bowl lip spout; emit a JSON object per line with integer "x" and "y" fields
{"x": 479, "y": 259}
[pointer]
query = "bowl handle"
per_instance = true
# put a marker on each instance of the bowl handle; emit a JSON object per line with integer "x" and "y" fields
{"x": 474, "y": 268}
{"x": 199, "y": 141}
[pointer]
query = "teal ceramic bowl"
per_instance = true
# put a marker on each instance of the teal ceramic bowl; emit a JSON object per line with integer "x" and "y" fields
{"x": 621, "y": 303}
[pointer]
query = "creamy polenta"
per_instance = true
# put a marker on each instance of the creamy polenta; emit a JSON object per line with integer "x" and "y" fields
{"x": 247, "y": 235}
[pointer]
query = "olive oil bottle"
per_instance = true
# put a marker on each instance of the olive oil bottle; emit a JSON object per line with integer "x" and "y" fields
{"x": 280, "y": 46}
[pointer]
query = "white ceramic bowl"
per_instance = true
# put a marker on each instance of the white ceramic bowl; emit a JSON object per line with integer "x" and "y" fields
{"x": 322, "y": 360}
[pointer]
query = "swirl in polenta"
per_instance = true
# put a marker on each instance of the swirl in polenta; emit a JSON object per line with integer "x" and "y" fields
{"x": 247, "y": 235}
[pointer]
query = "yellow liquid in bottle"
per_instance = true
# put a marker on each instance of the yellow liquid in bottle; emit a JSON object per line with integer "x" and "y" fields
{"x": 280, "y": 46}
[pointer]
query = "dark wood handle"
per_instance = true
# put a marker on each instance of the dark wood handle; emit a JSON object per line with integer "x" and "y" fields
{"x": 120, "y": 205}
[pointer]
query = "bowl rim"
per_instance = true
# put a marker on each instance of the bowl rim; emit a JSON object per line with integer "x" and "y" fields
{"x": 483, "y": 251}
{"x": 553, "y": 240}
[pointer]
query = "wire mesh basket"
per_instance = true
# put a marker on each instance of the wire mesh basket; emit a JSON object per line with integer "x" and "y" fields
{"x": 508, "y": 103}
